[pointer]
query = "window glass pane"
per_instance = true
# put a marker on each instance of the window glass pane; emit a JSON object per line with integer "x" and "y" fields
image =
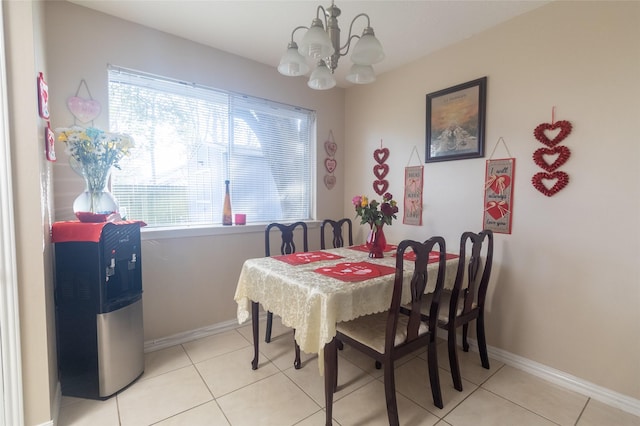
{"x": 190, "y": 138}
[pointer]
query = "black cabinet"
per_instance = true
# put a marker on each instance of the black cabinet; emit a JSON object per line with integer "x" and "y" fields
{"x": 98, "y": 293}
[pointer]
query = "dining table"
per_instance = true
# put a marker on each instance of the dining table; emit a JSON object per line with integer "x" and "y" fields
{"x": 313, "y": 291}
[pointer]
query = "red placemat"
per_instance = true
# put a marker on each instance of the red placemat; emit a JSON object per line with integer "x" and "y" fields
{"x": 363, "y": 247}
{"x": 306, "y": 257}
{"x": 433, "y": 256}
{"x": 355, "y": 271}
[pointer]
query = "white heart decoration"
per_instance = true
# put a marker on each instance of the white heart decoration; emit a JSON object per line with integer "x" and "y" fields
{"x": 84, "y": 110}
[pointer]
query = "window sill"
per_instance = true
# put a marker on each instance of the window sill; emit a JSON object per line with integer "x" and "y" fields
{"x": 206, "y": 231}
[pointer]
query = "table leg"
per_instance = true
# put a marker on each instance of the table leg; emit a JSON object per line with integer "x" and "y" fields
{"x": 256, "y": 325}
{"x": 330, "y": 378}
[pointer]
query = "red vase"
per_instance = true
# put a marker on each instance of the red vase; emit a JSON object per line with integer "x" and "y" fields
{"x": 376, "y": 241}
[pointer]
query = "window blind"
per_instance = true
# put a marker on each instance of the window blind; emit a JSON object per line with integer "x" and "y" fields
{"x": 190, "y": 138}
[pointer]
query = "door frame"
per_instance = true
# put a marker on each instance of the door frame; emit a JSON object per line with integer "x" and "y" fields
{"x": 11, "y": 401}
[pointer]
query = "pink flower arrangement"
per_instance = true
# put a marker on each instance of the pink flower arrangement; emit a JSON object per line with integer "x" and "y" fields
{"x": 369, "y": 213}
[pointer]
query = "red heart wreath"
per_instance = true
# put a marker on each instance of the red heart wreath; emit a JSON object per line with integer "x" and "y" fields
{"x": 563, "y": 125}
{"x": 561, "y": 182}
{"x": 380, "y": 186}
{"x": 381, "y": 155}
{"x": 563, "y": 155}
{"x": 380, "y": 170}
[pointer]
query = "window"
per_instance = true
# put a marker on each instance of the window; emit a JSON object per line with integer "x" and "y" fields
{"x": 189, "y": 139}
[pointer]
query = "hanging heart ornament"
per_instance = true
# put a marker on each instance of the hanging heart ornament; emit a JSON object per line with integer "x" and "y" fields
{"x": 329, "y": 181}
{"x": 381, "y": 170}
{"x": 85, "y": 110}
{"x": 330, "y": 164}
{"x": 381, "y": 155}
{"x": 562, "y": 154}
{"x": 380, "y": 186}
{"x": 331, "y": 147}
{"x": 540, "y": 132}
{"x": 561, "y": 180}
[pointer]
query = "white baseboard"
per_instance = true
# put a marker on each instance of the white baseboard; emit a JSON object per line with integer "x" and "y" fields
{"x": 188, "y": 336}
{"x": 567, "y": 381}
{"x": 560, "y": 378}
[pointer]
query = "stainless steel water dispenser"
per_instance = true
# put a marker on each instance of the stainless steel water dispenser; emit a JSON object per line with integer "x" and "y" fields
{"x": 98, "y": 294}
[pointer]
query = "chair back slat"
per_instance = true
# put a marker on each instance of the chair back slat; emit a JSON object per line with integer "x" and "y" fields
{"x": 418, "y": 285}
{"x": 488, "y": 263}
{"x": 287, "y": 233}
{"x": 336, "y": 227}
{"x": 472, "y": 276}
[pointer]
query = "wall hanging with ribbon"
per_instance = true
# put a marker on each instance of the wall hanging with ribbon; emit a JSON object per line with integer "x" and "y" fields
{"x": 83, "y": 110}
{"x": 498, "y": 192}
{"x": 381, "y": 170}
{"x": 413, "y": 183}
{"x": 330, "y": 163}
{"x": 551, "y": 181}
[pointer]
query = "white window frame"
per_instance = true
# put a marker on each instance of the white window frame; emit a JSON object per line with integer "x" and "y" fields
{"x": 177, "y": 230}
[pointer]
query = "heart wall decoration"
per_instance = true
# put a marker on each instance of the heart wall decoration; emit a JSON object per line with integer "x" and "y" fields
{"x": 331, "y": 147}
{"x": 380, "y": 186}
{"x": 329, "y": 181}
{"x": 84, "y": 110}
{"x": 381, "y": 155}
{"x": 541, "y": 135}
{"x": 562, "y": 154}
{"x": 330, "y": 163}
{"x": 552, "y": 157}
{"x": 557, "y": 181}
{"x": 380, "y": 170}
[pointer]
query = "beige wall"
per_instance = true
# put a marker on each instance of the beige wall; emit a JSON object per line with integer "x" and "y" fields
{"x": 552, "y": 300}
{"x": 566, "y": 286}
{"x": 32, "y": 199}
{"x": 197, "y": 274}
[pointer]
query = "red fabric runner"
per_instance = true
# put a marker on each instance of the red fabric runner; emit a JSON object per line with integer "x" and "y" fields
{"x": 73, "y": 230}
{"x": 356, "y": 271}
{"x": 306, "y": 257}
{"x": 363, "y": 247}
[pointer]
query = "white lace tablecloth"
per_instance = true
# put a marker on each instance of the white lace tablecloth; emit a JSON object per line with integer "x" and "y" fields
{"x": 313, "y": 303}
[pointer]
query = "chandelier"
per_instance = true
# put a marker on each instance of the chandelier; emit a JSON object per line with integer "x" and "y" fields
{"x": 323, "y": 47}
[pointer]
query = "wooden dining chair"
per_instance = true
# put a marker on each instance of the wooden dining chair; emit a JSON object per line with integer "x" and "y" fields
{"x": 287, "y": 246}
{"x": 465, "y": 302}
{"x": 336, "y": 227}
{"x": 390, "y": 335}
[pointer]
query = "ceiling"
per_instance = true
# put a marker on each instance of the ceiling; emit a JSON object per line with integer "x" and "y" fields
{"x": 260, "y": 30}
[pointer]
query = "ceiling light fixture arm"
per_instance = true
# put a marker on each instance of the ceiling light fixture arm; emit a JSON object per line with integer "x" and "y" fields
{"x": 352, "y": 36}
{"x": 292, "y": 43}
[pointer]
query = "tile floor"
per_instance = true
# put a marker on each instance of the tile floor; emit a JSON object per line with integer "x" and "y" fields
{"x": 210, "y": 382}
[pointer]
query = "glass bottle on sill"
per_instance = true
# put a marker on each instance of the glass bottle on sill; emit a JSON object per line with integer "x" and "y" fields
{"x": 226, "y": 209}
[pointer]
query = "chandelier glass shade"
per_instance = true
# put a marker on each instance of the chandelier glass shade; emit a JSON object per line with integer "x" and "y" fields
{"x": 321, "y": 44}
{"x": 293, "y": 63}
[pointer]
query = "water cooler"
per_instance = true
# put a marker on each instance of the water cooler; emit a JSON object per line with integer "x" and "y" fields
{"x": 98, "y": 295}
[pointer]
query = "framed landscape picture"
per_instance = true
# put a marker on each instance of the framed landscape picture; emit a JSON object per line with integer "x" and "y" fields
{"x": 455, "y": 122}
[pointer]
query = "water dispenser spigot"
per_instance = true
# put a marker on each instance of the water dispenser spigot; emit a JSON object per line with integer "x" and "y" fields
{"x": 111, "y": 269}
{"x": 132, "y": 262}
